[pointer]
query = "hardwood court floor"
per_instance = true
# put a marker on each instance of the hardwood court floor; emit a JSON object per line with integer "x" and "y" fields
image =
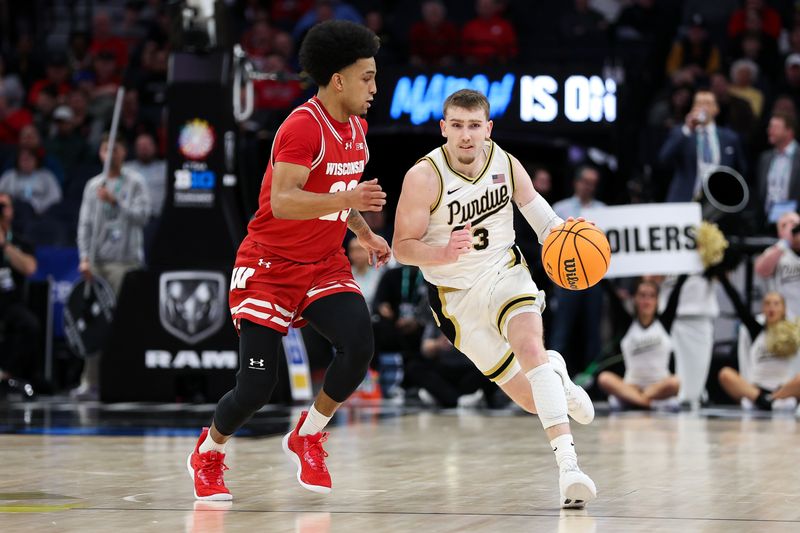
{"x": 464, "y": 471}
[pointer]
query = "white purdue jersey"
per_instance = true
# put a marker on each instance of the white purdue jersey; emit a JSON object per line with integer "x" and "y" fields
{"x": 767, "y": 370}
{"x": 485, "y": 201}
{"x": 786, "y": 281}
{"x": 646, "y": 353}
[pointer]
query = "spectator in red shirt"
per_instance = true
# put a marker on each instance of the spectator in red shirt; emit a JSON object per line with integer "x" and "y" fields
{"x": 434, "y": 39}
{"x": 56, "y": 75}
{"x": 770, "y": 19}
{"x": 106, "y": 76}
{"x": 12, "y": 120}
{"x": 104, "y": 41}
{"x": 258, "y": 40}
{"x": 276, "y": 94}
{"x": 489, "y": 37}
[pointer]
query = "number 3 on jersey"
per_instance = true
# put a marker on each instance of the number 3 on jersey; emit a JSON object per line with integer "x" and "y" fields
{"x": 483, "y": 235}
{"x": 340, "y": 186}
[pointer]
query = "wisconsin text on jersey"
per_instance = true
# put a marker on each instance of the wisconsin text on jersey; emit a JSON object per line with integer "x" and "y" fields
{"x": 345, "y": 169}
{"x": 490, "y": 202}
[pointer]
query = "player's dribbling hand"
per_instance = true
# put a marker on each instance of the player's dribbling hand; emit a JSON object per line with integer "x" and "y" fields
{"x": 570, "y": 219}
{"x": 460, "y": 243}
{"x": 368, "y": 196}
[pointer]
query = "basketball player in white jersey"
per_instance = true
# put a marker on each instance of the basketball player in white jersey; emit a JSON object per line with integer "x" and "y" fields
{"x": 455, "y": 221}
{"x": 779, "y": 264}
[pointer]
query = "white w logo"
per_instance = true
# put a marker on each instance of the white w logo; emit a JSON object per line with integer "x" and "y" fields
{"x": 240, "y": 276}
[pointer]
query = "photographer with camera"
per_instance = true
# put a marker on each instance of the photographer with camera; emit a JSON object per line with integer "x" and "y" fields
{"x": 698, "y": 147}
{"x": 694, "y": 150}
{"x": 20, "y": 330}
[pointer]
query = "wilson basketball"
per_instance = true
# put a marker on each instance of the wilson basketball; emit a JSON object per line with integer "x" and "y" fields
{"x": 576, "y": 255}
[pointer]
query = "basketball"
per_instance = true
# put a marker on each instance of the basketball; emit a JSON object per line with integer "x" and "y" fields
{"x": 576, "y": 255}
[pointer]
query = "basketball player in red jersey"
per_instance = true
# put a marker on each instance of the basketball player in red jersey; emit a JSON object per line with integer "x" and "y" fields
{"x": 291, "y": 268}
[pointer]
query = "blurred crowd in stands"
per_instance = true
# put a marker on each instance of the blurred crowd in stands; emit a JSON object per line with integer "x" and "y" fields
{"x": 707, "y": 83}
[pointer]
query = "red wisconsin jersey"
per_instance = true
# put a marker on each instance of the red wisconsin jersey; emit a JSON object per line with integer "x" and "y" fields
{"x": 336, "y": 152}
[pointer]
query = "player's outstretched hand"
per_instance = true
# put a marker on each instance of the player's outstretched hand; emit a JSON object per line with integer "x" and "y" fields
{"x": 460, "y": 243}
{"x": 368, "y": 196}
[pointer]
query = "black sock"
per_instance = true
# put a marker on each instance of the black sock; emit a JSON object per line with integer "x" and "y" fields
{"x": 762, "y": 402}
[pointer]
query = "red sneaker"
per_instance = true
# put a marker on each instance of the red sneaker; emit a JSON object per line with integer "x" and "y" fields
{"x": 206, "y": 470}
{"x": 309, "y": 456}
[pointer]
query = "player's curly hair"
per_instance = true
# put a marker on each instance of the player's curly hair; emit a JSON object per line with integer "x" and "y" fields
{"x": 333, "y": 45}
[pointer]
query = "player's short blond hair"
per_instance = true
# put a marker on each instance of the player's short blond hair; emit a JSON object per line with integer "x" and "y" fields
{"x": 466, "y": 99}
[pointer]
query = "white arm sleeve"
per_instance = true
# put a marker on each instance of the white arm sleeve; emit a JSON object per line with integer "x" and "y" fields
{"x": 540, "y": 216}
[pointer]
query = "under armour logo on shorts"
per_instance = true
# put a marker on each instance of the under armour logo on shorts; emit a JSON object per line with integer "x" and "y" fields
{"x": 259, "y": 362}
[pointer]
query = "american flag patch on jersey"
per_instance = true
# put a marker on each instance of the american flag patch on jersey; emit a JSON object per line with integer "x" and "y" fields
{"x": 498, "y": 178}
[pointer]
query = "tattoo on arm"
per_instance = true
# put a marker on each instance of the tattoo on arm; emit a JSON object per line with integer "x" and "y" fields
{"x": 356, "y": 222}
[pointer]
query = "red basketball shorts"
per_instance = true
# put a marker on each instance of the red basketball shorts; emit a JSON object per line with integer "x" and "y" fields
{"x": 273, "y": 291}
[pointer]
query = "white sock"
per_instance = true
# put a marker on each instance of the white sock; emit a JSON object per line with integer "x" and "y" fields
{"x": 210, "y": 444}
{"x": 564, "y": 448}
{"x": 315, "y": 422}
{"x": 548, "y": 394}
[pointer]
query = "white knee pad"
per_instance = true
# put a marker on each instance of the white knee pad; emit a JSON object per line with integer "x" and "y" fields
{"x": 548, "y": 395}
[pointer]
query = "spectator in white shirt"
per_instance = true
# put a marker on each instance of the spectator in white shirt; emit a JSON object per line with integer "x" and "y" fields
{"x": 152, "y": 169}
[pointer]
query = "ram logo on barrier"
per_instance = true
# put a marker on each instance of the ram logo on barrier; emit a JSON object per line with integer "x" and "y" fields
{"x": 192, "y": 304}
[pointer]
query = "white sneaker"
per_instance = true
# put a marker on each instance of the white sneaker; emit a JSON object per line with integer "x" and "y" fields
{"x": 667, "y": 404}
{"x": 579, "y": 405}
{"x": 576, "y": 487}
{"x": 471, "y": 400}
{"x": 784, "y": 404}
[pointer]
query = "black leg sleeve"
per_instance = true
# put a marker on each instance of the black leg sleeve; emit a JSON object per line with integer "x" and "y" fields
{"x": 344, "y": 320}
{"x": 255, "y": 380}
